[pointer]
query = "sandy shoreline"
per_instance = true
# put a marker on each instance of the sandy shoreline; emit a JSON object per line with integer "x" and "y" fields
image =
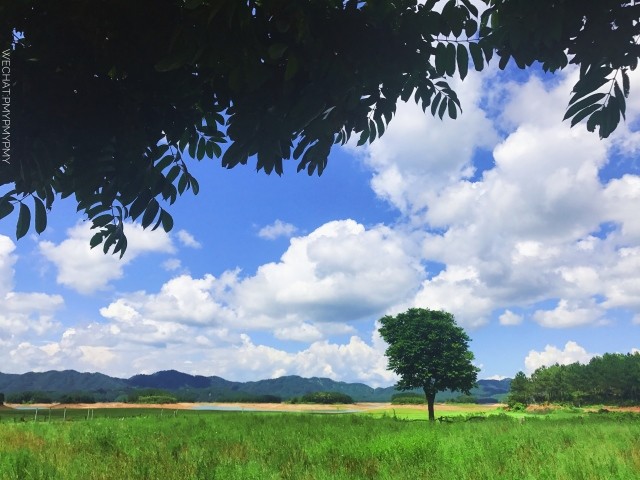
{"x": 267, "y": 407}
{"x": 203, "y": 406}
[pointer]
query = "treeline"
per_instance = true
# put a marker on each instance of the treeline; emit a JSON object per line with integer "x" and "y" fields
{"x": 147, "y": 395}
{"x": 413, "y": 398}
{"x": 156, "y": 395}
{"x": 612, "y": 379}
{"x": 50, "y": 397}
{"x": 326, "y": 398}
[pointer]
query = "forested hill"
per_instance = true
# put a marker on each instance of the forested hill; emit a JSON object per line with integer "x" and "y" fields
{"x": 54, "y": 384}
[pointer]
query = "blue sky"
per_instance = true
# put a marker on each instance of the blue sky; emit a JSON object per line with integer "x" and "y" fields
{"x": 526, "y": 230}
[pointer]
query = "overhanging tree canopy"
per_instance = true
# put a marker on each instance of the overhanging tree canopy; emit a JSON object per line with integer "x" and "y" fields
{"x": 110, "y": 98}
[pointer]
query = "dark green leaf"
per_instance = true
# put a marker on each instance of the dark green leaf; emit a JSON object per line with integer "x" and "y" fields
{"x": 441, "y": 59}
{"x": 476, "y": 55}
{"x": 193, "y": 145}
{"x": 471, "y": 7}
{"x": 158, "y": 222}
{"x": 583, "y": 113}
{"x": 96, "y": 239}
{"x": 463, "y": 61}
{"x": 453, "y": 113}
{"x": 170, "y": 193}
{"x": 620, "y": 97}
{"x": 435, "y": 102}
{"x": 164, "y": 162}
{"x": 6, "y": 208}
{"x": 101, "y": 221}
{"x": 448, "y": 15}
{"x": 454, "y": 96}
{"x": 457, "y": 21}
{"x": 160, "y": 150}
{"x": 93, "y": 211}
{"x": 372, "y": 131}
{"x": 167, "y": 220}
{"x": 487, "y": 48}
{"x": 443, "y": 108}
{"x": 139, "y": 205}
{"x": 173, "y": 173}
{"x": 183, "y": 183}
{"x": 364, "y": 136}
{"x": 41, "y": 216}
{"x": 625, "y": 82}
{"x": 594, "y": 120}
{"x": 150, "y": 213}
{"x": 590, "y": 83}
{"x": 195, "y": 186}
{"x": 406, "y": 93}
{"x": 379, "y": 125}
{"x": 24, "y": 221}
{"x": 121, "y": 245}
{"x": 576, "y": 107}
{"x": 209, "y": 148}
{"x": 49, "y": 197}
{"x": 217, "y": 151}
{"x": 470, "y": 28}
{"x": 610, "y": 118}
{"x": 235, "y": 154}
{"x": 450, "y": 66}
{"x": 502, "y": 64}
{"x": 201, "y": 148}
{"x": 111, "y": 238}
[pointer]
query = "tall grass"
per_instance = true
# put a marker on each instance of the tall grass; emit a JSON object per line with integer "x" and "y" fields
{"x": 232, "y": 445}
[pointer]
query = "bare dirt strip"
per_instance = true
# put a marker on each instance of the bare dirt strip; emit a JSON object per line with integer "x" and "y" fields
{"x": 266, "y": 407}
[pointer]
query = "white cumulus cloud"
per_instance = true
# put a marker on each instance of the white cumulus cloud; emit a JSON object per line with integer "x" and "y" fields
{"x": 188, "y": 240}
{"x": 276, "y": 230}
{"x": 551, "y": 355}
{"x": 340, "y": 272}
{"x": 569, "y": 314}
{"x": 86, "y": 270}
{"x": 509, "y": 318}
{"x": 22, "y": 313}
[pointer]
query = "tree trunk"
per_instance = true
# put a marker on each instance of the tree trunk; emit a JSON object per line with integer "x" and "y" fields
{"x": 431, "y": 398}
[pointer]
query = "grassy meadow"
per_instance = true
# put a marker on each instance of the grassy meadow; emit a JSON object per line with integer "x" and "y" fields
{"x": 152, "y": 444}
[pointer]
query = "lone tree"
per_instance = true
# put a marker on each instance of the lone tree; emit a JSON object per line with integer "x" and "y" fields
{"x": 429, "y": 351}
{"x": 109, "y": 100}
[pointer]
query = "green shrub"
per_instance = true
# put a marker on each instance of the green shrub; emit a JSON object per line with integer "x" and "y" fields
{"x": 157, "y": 399}
{"x": 408, "y": 399}
{"x": 1, "y": 398}
{"x": 77, "y": 397}
{"x": 267, "y": 399}
{"x": 464, "y": 399}
{"x": 516, "y": 407}
{"x": 326, "y": 398}
{"x": 135, "y": 395}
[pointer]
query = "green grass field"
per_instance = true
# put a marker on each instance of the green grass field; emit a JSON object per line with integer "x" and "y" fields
{"x": 149, "y": 444}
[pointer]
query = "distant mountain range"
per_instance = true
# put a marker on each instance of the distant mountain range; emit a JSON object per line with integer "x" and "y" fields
{"x": 200, "y": 388}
